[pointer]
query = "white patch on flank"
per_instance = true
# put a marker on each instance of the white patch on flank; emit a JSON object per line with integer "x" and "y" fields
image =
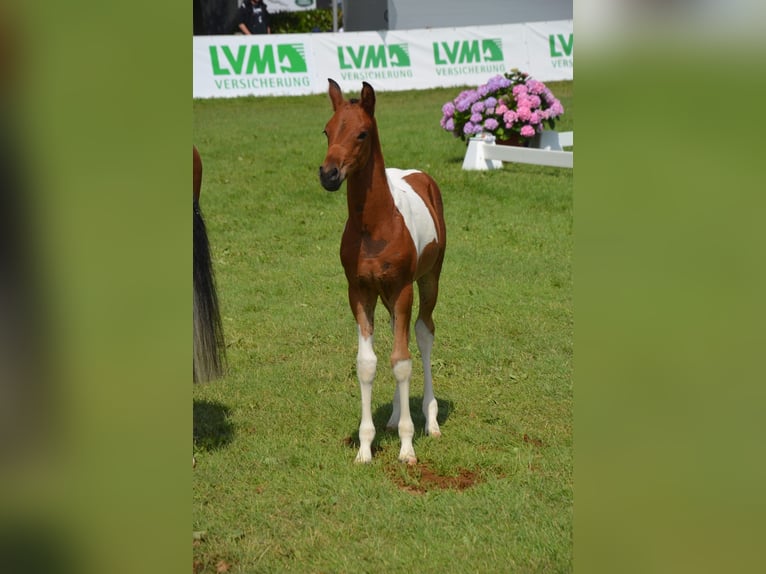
{"x": 416, "y": 216}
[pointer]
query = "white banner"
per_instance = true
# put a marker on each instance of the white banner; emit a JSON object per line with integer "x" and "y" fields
{"x": 275, "y": 6}
{"x": 298, "y": 64}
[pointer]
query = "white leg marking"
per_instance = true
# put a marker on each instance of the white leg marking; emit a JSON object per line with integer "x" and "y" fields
{"x": 430, "y": 407}
{"x": 403, "y": 372}
{"x": 366, "y": 363}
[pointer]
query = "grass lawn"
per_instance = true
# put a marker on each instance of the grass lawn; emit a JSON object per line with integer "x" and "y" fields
{"x": 275, "y": 488}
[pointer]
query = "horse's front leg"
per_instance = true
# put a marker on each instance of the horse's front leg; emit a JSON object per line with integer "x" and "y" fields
{"x": 401, "y": 361}
{"x": 363, "y": 306}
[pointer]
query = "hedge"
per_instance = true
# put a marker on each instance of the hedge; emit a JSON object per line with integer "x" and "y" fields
{"x": 303, "y": 22}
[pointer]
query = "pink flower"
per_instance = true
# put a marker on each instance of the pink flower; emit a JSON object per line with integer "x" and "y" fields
{"x": 524, "y": 114}
{"x": 509, "y": 117}
{"x": 535, "y": 87}
{"x": 501, "y": 109}
{"x": 519, "y": 89}
{"x": 527, "y": 131}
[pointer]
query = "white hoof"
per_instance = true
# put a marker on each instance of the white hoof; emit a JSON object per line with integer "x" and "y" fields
{"x": 363, "y": 457}
{"x": 432, "y": 429}
{"x": 409, "y": 459}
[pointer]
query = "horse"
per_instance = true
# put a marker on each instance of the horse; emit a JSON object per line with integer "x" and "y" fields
{"x": 209, "y": 349}
{"x": 395, "y": 236}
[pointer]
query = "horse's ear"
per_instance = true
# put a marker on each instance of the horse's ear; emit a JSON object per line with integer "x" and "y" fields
{"x": 336, "y": 96}
{"x": 368, "y": 98}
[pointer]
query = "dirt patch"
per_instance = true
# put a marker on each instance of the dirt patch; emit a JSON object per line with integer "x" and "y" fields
{"x": 533, "y": 441}
{"x": 420, "y": 478}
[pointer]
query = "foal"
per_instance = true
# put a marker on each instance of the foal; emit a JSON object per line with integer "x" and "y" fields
{"x": 394, "y": 236}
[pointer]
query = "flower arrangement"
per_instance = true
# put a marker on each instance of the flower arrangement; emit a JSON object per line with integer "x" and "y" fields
{"x": 508, "y": 104}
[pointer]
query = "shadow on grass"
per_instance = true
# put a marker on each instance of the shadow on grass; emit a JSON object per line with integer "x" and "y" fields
{"x": 383, "y": 413}
{"x": 212, "y": 428}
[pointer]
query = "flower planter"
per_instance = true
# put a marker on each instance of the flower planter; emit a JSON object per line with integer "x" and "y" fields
{"x": 504, "y": 108}
{"x": 516, "y": 140}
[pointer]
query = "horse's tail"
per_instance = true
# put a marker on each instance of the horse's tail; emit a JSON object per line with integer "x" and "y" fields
{"x": 209, "y": 346}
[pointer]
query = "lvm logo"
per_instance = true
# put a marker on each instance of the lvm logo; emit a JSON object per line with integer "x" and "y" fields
{"x": 469, "y": 57}
{"x": 257, "y": 59}
{"x": 561, "y": 47}
{"x": 374, "y": 56}
{"x": 468, "y": 52}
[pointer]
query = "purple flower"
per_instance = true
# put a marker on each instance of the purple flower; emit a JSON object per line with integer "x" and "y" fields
{"x": 476, "y": 118}
{"x": 491, "y": 124}
{"x": 490, "y": 102}
{"x": 477, "y": 108}
{"x": 448, "y": 109}
{"x": 466, "y": 99}
{"x": 527, "y": 131}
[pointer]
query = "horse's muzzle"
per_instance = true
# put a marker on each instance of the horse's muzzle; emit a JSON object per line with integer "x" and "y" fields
{"x": 330, "y": 179}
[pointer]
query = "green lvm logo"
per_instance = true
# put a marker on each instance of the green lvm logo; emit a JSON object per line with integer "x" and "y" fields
{"x": 257, "y": 59}
{"x": 468, "y": 52}
{"x": 374, "y": 56}
{"x": 561, "y": 50}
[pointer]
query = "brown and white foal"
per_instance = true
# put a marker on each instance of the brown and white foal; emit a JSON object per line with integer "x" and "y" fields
{"x": 394, "y": 236}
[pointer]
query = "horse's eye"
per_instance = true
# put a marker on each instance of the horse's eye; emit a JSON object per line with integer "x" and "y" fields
{"x": 362, "y": 136}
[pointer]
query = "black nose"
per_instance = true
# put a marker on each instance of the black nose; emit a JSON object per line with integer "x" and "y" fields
{"x": 330, "y": 179}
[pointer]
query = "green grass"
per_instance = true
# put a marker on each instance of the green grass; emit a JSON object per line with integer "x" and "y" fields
{"x": 275, "y": 488}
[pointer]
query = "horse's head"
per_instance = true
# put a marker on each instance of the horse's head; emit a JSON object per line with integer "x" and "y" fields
{"x": 350, "y": 133}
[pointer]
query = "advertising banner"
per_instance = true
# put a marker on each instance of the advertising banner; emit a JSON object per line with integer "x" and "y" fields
{"x": 298, "y": 64}
{"x": 551, "y": 50}
{"x": 258, "y": 65}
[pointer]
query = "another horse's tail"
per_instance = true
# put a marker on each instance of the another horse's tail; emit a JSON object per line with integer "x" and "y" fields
{"x": 209, "y": 346}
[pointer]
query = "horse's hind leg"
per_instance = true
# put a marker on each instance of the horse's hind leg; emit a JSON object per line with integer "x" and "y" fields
{"x": 428, "y": 288}
{"x": 401, "y": 361}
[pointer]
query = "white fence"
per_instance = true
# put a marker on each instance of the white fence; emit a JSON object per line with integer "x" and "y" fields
{"x": 546, "y": 148}
{"x": 299, "y": 64}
